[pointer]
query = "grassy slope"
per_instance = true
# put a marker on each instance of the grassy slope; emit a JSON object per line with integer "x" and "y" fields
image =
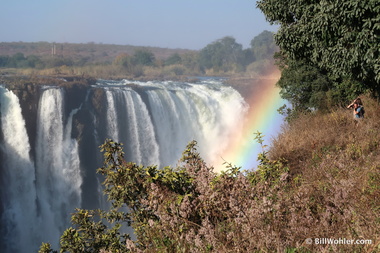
{"x": 335, "y": 166}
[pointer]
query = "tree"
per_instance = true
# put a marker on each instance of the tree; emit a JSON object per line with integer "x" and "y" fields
{"x": 221, "y": 55}
{"x": 18, "y": 60}
{"x": 34, "y": 62}
{"x": 342, "y": 37}
{"x": 304, "y": 86}
{"x": 307, "y": 87}
{"x": 173, "y": 59}
{"x": 263, "y": 46}
{"x": 143, "y": 57}
{"x": 4, "y": 60}
{"x": 248, "y": 57}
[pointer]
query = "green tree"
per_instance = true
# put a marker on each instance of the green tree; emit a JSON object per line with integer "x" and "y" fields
{"x": 248, "y": 57}
{"x": 304, "y": 86}
{"x": 4, "y": 60}
{"x": 34, "y": 62}
{"x": 222, "y": 55}
{"x": 263, "y": 46}
{"x": 342, "y": 37}
{"x": 173, "y": 59}
{"x": 143, "y": 57}
{"x": 17, "y": 60}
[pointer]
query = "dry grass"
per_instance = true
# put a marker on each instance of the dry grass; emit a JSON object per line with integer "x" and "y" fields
{"x": 335, "y": 165}
{"x": 319, "y": 135}
{"x": 332, "y": 191}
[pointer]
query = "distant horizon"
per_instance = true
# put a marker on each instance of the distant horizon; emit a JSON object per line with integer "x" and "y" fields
{"x": 92, "y": 42}
{"x": 101, "y": 43}
{"x": 168, "y": 24}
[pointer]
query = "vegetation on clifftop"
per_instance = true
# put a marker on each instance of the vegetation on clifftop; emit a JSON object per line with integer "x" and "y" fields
{"x": 319, "y": 179}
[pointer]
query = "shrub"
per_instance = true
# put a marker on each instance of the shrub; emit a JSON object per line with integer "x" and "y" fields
{"x": 318, "y": 180}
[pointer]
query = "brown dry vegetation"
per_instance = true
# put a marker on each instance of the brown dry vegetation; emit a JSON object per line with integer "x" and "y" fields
{"x": 334, "y": 161}
{"x": 320, "y": 179}
{"x": 316, "y": 137}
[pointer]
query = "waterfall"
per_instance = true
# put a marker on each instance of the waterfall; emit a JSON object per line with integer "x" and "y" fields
{"x": 210, "y": 114}
{"x": 42, "y": 185}
{"x": 135, "y": 128}
{"x": 112, "y": 119}
{"x": 18, "y": 178}
{"x": 37, "y": 197}
{"x": 57, "y": 165}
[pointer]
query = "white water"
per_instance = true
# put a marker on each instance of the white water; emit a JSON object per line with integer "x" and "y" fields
{"x": 41, "y": 196}
{"x": 155, "y": 122}
{"x": 18, "y": 219}
{"x": 58, "y": 173}
{"x": 176, "y": 113}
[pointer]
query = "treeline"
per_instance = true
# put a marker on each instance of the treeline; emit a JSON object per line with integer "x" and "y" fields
{"x": 19, "y": 60}
{"x": 222, "y": 56}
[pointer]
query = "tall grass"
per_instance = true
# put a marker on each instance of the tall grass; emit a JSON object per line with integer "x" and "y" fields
{"x": 335, "y": 163}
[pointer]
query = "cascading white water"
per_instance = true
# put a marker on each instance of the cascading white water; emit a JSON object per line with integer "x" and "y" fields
{"x": 20, "y": 214}
{"x": 154, "y": 120}
{"x": 135, "y": 128}
{"x": 112, "y": 119}
{"x": 174, "y": 114}
{"x": 57, "y": 165}
{"x": 38, "y": 197}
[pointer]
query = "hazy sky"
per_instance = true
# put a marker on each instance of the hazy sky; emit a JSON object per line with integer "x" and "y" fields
{"x": 190, "y": 24}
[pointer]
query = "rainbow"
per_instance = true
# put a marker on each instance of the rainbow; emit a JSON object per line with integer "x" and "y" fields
{"x": 262, "y": 117}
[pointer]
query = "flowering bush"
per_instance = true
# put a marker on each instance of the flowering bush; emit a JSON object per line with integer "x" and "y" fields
{"x": 279, "y": 207}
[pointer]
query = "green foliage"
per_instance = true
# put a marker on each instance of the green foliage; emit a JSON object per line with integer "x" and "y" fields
{"x": 191, "y": 209}
{"x": 263, "y": 46}
{"x": 91, "y": 235}
{"x": 268, "y": 171}
{"x": 143, "y": 57}
{"x": 18, "y": 60}
{"x": 46, "y": 248}
{"x": 221, "y": 55}
{"x": 341, "y": 37}
{"x": 308, "y": 87}
{"x": 304, "y": 86}
{"x": 173, "y": 59}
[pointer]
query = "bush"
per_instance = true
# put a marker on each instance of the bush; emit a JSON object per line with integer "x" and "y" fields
{"x": 314, "y": 182}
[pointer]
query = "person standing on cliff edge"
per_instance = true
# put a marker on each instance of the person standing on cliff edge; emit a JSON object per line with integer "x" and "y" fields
{"x": 358, "y": 108}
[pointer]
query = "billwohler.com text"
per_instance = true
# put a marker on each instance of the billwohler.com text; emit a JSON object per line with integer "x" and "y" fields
{"x": 322, "y": 241}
